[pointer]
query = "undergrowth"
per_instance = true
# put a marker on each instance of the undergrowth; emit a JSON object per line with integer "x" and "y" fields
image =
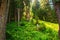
{"x": 28, "y": 31}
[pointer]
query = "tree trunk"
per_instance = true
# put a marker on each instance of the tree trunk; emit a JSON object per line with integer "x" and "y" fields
{"x": 3, "y": 17}
{"x": 57, "y": 7}
{"x": 15, "y": 15}
{"x": 18, "y": 15}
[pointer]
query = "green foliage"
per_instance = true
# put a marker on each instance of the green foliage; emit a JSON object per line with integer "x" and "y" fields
{"x": 46, "y": 15}
{"x": 42, "y": 27}
{"x": 56, "y": 1}
{"x": 44, "y": 11}
{"x": 28, "y": 31}
{"x": 19, "y": 3}
{"x": 11, "y": 31}
{"x": 27, "y": 2}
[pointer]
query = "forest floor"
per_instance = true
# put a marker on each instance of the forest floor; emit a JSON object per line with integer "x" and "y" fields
{"x": 28, "y": 31}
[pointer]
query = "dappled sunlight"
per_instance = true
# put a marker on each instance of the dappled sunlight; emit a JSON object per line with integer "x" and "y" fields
{"x": 29, "y": 19}
{"x": 51, "y": 25}
{"x": 54, "y": 26}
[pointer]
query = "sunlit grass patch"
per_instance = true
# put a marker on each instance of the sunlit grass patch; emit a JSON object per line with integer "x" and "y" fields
{"x": 51, "y": 25}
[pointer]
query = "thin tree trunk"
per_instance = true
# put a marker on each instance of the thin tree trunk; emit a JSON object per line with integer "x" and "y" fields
{"x": 18, "y": 15}
{"x": 9, "y": 18}
{"x": 15, "y": 15}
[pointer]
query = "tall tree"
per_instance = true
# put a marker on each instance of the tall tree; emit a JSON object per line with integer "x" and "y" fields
{"x": 57, "y": 9}
{"x": 3, "y": 17}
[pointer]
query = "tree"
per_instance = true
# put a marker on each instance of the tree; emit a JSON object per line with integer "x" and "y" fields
{"x": 19, "y": 7}
{"x": 57, "y": 9}
{"x": 12, "y": 12}
{"x": 0, "y": 2}
{"x": 27, "y": 9}
{"x": 3, "y": 17}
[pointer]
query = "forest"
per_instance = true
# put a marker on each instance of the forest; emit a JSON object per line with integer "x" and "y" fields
{"x": 29, "y": 19}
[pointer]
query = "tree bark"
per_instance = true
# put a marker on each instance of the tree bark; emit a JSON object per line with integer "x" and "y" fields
{"x": 57, "y": 9}
{"x": 3, "y": 18}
